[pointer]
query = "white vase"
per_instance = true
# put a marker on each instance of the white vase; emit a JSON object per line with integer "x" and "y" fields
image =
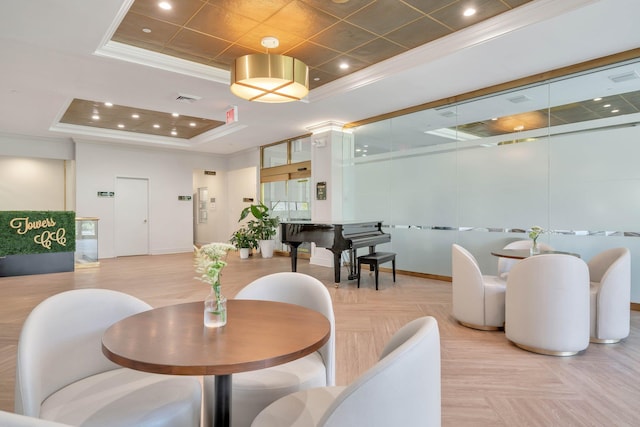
{"x": 244, "y": 253}
{"x": 267, "y": 247}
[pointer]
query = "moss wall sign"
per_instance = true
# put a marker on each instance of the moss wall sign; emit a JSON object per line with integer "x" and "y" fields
{"x": 43, "y": 239}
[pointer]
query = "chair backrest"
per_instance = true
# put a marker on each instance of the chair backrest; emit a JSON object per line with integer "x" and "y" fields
{"x": 467, "y": 286}
{"x": 547, "y": 302}
{"x": 61, "y": 342}
{"x": 300, "y": 289}
{"x": 506, "y": 264}
{"x": 612, "y": 316}
{"x": 402, "y": 389}
{"x": 606, "y": 263}
{"x": 9, "y": 419}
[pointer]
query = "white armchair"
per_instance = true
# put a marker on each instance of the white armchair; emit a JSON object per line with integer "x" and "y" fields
{"x": 478, "y": 300}
{"x": 62, "y": 375}
{"x": 610, "y": 276}
{"x": 402, "y": 389}
{"x": 253, "y": 391}
{"x": 505, "y": 264}
{"x": 9, "y": 419}
{"x": 547, "y": 305}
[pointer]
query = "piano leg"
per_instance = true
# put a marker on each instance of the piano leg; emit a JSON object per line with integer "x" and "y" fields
{"x": 294, "y": 255}
{"x": 336, "y": 266}
{"x": 352, "y": 264}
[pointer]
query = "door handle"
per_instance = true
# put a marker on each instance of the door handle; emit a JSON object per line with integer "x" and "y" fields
{"x": 145, "y": 221}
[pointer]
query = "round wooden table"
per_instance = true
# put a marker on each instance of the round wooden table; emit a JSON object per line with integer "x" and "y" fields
{"x": 524, "y": 253}
{"x": 173, "y": 340}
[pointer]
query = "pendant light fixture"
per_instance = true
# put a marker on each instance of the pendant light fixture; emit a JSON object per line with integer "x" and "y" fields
{"x": 265, "y": 77}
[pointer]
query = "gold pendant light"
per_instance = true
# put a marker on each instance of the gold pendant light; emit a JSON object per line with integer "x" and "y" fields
{"x": 265, "y": 77}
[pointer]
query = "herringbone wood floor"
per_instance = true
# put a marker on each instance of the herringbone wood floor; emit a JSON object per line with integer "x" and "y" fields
{"x": 486, "y": 381}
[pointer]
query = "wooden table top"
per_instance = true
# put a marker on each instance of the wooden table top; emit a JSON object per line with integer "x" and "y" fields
{"x": 524, "y": 253}
{"x": 174, "y": 340}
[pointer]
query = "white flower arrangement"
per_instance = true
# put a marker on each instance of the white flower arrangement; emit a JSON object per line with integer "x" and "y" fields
{"x": 535, "y": 232}
{"x": 210, "y": 260}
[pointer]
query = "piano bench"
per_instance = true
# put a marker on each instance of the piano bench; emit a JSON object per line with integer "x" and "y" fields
{"x": 374, "y": 260}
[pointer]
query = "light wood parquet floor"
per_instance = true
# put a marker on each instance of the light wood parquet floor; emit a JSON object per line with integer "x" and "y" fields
{"x": 486, "y": 381}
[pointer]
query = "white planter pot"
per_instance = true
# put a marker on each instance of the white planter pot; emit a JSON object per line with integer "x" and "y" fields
{"x": 267, "y": 247}
{"x": 244, "y": 253}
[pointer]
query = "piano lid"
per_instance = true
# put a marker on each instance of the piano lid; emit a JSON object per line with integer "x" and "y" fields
{"x": 332, "y": 222}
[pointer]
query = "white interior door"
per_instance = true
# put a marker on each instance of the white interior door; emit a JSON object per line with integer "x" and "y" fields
{"x": 132, "y": 216}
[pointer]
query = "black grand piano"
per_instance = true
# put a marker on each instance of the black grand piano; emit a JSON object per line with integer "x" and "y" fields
{"x": 337, "y": 237}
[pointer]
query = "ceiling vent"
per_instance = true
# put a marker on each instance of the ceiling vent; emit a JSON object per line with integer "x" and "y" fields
{"x": 631, "y": 75}
{"x": 519, "y": 99}
{"x": 183, "y": 97}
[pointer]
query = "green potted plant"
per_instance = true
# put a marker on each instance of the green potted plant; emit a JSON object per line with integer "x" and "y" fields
{"x": 244, "y": 240}
{"x": 263, "y": 227}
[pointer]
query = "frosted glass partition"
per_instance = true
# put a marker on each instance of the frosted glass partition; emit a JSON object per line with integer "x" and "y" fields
{"x": 561, "y": 155}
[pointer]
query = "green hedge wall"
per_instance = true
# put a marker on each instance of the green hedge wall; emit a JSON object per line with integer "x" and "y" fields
{"x": 37, "y": 232}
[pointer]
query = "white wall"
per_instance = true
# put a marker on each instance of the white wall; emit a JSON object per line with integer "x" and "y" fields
{"x": 586, "y": 181}
{"x": 170, "y": 174}
{"x": 32, "y": 184}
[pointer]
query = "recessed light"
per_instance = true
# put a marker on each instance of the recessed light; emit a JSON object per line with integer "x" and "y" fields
{"x": 165, "y": 5}
{"x": 146, "y": 30}
{"x": 469, "y": 12}
{"x": 607, "y": 105}
{"x": 156, "y": 126}
{"x": 175, "y": 114}
{"x": 192, "y": 124}
{"x": 135, "y": 116}
{"x": 597, "y": 99}
{"x": 315, "y": 79}
{"x": 108, "y": 104}
{"x": 358, "y": 150}
{"x": 615, "y": 111}
{"x": 174, "y": 133}
{"x": 120, "y": 125}
{"x": 344, "y": 66}
{"x": 521, "y": 127}
{"x": 95, "y": 117}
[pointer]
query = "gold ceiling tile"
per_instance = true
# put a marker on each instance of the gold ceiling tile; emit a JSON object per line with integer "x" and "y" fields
{"x": 80, "y": 112}
{"x": 428, "y": 6}
{"x": 198, "y": 44}
{"x": 376, "y": 51}
{"x": 396, "y": 14}
{"x": 301, "y": 19}
{"x": 222, "y": 23}
{"x": 418, "y": 32}
{"x": 343, "y": 37}
{"x": 131, "y": 31}
{"x": 253, "y": 39}
{"x": 181, "y": 12}
{"x": 452, "y": 16}
{"x": 340, "y": 10}
{"x": 515, "y": 3}
{"x": 318, "y": 78}
{"x": 312, "y": 54}
{"x": 228, "y": 56}
{"x": 259, "y": 10}
{"x": 333, "y": 66}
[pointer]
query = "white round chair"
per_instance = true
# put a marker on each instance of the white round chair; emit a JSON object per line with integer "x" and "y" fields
{"x": 62, "y": 375}
{"x": 610, "y": 276}
{"x": 547, "y": 305}
{"x": 506, "y": 264}
{"x": 253, "y": 391}
{"x": 9, "y": 419}
{"x": 402, "y": 389}
{"x": 478, "y": 300}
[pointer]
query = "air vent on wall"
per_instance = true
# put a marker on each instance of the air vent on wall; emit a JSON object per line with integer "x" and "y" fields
{"x": 631, "y": 75}
{"x": 183, "y": 97}
{"x": 518, "y": 99}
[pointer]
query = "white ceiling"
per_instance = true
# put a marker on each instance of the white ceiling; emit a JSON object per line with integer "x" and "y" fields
{"x": 55, "y": 50}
